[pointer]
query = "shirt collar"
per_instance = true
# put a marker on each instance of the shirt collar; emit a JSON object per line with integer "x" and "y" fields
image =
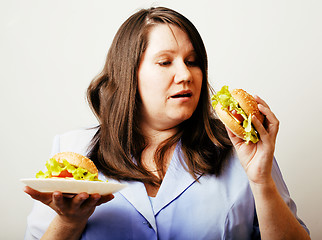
{"x": 177, "y": 179}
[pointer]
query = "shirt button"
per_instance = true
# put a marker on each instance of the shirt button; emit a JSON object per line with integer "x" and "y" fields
{"x": 148, "y": 224}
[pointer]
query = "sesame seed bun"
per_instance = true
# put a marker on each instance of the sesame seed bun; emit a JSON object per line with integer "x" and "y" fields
{"x": 76, "y": 160}
{"x": 247, "y": 103}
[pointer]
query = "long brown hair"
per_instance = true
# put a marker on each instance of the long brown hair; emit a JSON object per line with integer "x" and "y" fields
{"x": 113, "y": 96}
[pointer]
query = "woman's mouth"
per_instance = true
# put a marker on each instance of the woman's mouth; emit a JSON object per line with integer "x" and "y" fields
{"x": 182, "y": 94}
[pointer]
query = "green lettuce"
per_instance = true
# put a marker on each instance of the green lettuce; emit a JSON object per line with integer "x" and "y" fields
{"x": 54, "y": 168}
{"x": 250, "y": 133}
{"x": 227, "y": 101}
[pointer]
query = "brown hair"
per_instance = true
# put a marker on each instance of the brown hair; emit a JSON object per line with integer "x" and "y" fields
{"x": 114, "y": 99}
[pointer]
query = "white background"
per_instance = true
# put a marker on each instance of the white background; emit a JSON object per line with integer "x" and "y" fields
{"x": 50, "y": 51}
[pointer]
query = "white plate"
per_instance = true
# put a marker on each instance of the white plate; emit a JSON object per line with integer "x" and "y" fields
{"x": 72, "y": 186}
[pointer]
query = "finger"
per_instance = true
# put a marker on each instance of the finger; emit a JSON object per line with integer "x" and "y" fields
{"x": 58, "y": 202}
{"x": 104, "y": 199}
{"x": 270, "y": 116}
{"x": 263, "y": 134}
{"x": 260, "y": 101}
{"x": 45, "y": 198}
{"x": 91, "y": 201}
{"x": 79, "y": 199}
{"x": 272, "y": 123}
{"x": 234, "y": 139}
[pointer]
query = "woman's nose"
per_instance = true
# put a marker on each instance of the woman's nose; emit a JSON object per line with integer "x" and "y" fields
{"x": 182, "y": 74}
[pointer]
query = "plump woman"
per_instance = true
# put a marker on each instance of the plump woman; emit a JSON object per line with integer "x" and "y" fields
{"x": 188, "y": 177}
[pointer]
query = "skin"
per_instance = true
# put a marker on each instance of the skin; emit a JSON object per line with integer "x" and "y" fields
{"x": 167, "y": 67}
{"x": 72, "y": 211}
{"x": 276, "y": 221}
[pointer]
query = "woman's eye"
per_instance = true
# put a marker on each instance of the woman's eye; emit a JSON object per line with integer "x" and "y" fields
{"x": 164, "y": 63}
{"x": 192, "y": 63}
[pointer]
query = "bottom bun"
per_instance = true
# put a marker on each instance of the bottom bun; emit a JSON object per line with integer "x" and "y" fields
{"x": 229, "y": 121}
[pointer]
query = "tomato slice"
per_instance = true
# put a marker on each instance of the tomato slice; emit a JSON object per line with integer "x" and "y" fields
{"x": 64, "y": 174}
{"x": 237, "y": 116}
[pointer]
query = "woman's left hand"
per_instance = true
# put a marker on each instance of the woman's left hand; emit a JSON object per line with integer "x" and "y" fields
{"x": 257, "y": 158}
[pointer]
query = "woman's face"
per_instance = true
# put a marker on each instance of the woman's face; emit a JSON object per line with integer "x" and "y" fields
{"x": 169, "y": 78}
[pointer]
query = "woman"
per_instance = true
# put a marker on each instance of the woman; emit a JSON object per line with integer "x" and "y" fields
{"x": 158, "y": 135}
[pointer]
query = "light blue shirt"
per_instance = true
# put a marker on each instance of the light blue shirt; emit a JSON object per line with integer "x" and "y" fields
{"x": 209, "y": 208}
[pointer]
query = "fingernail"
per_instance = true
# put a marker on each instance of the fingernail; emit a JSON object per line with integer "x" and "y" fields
{"x": 83, "y": 197}
{"x": 96, "y": 197}
{"x": 57, "y": 195}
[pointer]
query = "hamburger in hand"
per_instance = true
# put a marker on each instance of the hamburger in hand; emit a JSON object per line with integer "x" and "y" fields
{"x": 70, "y": 165}
{"x": 235, "y": 109}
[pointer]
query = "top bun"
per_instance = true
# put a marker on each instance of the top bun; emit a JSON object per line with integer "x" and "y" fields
{"x": 247, "y": 103}
{"x": 76, "y": 160}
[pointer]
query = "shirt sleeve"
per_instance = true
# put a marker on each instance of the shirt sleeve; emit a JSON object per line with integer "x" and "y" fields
{"x": 41, "y": 215}
{"x": 282, "y": 188}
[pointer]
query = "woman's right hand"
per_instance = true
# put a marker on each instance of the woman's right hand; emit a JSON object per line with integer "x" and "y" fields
{"x": 71, "y": 209}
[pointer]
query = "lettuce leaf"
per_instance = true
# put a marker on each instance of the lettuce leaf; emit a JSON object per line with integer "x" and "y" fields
{"x": 250, "y": 133}
{"x": 227, "y": 101}
{"x": 54, "y": 168}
